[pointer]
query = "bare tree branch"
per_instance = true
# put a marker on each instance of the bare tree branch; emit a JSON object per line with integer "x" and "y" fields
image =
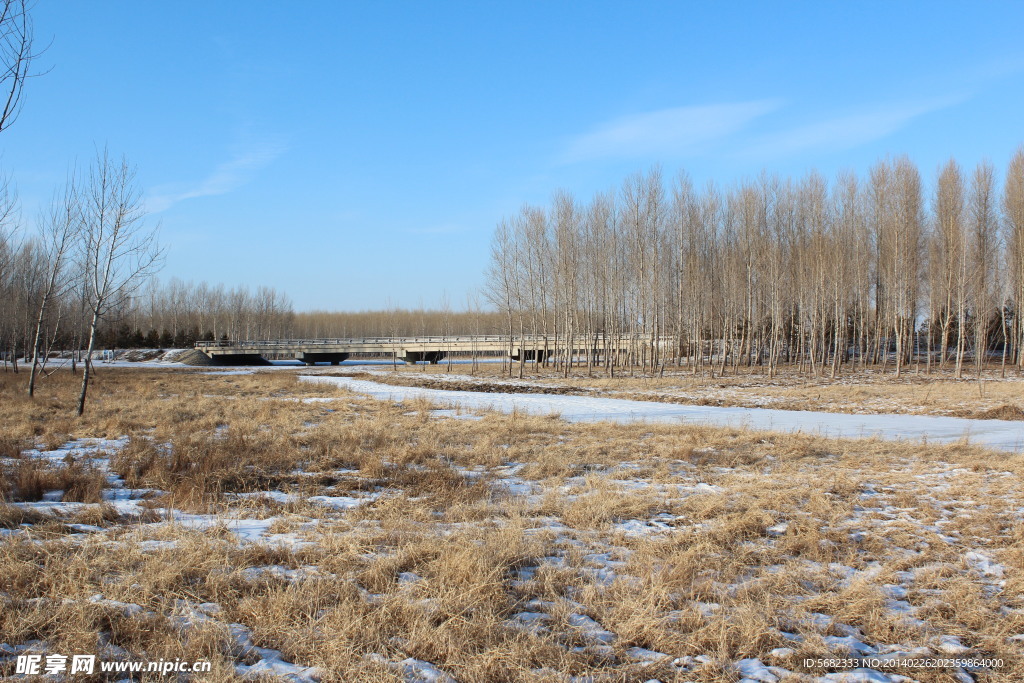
{"x": 16, "y": 57}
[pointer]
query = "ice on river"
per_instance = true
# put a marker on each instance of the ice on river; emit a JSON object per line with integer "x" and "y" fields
{"x": 1001, "y": 434}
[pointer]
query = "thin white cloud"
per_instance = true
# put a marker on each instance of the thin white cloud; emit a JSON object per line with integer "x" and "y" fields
{"x": 226, "y": 177}
{"x": 667, "y": 131}
{"x": 845, "y": 132}
{"x": 989, "y": 72}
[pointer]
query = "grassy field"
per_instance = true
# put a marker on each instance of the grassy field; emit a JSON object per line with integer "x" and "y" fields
{"x": 280, "y": 528}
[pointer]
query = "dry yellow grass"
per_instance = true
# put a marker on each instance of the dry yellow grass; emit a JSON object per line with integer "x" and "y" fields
{"x": 507, "y": 548}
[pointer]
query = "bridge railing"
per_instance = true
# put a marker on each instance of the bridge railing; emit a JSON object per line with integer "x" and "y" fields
{"x": 529, "y": 340}
{"x": 374, "y": 341}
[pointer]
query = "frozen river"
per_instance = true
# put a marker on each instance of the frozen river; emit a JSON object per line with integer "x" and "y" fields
{"x": 1002, "y": 434}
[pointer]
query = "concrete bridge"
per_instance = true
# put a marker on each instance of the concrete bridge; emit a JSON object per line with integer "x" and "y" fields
{"x": 406, "y": 349}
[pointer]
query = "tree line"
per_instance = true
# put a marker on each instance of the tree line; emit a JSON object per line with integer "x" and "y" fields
{"x": 177, "y": 314}
{"x": 398, "y": 322}
{"x": 806, "y": 273}
{"x": 91, "y": 251}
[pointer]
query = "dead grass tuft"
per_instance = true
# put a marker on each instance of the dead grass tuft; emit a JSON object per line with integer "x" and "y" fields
{"x": 29, "y": 480}
{"x": 12, "y": 446}
{"x": 1003, "y": 412}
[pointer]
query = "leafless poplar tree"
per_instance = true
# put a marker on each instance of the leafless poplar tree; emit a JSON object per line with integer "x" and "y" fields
{"x": 1013, "y": 212}
{"x": 11, "y": 283}
{"x": 774, "y": 273}
{"x": 983, "y": 259}
{"x": 60, "y": 230}
{"x": 119, "y": 250}
{"x": 948, "y": 258}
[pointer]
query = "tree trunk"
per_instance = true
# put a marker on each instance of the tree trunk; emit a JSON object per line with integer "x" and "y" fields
{"x": 88, "y": 363}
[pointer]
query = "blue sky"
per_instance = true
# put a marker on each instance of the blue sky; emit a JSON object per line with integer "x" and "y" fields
{"x": 358, "y": 154}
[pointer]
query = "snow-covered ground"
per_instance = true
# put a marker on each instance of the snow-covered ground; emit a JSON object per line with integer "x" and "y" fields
{"x": 605, "y": 563}
{"x": 1005, "y": 435}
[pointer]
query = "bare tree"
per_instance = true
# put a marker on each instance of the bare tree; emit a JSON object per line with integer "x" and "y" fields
{"x": 501, "y": 286}
{"x": 61, "y": 227}
{"x": 948, "y": 262}
{"x": 1013, "y": 211}
{"x": 982, "y": 257}
{"x": 119, "y": 250}
{"x": 10, "y": 249}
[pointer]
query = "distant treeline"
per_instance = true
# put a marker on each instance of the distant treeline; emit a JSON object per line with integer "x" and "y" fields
{"x": 876, "y": 269}
{"x": 396, "y": 323}
{"x": 176, "y": 314}
{"x": 180, "y": 313}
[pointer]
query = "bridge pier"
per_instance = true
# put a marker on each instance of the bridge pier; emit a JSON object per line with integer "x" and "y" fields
{"x": 531, "y": 354}
{"x": 310, "y": 358}
{"x": 239, "y": 359}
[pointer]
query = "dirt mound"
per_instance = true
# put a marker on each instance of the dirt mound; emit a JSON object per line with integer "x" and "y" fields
{"x": 193, "y": 357}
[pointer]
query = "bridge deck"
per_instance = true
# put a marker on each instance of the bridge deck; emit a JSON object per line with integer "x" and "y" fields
{"x": 410, "y": 349}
